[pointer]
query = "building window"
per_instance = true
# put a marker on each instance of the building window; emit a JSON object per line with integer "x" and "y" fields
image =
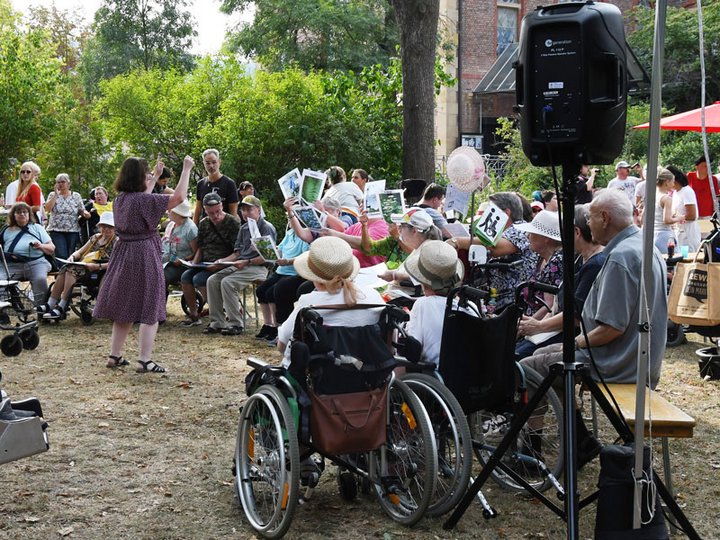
{"x": 507, "y": 26}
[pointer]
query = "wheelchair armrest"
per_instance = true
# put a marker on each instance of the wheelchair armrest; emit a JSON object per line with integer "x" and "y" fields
{"x": 415, "y": 367}
{"x": 255, "y": 362}
{"x": 29, "y": 404}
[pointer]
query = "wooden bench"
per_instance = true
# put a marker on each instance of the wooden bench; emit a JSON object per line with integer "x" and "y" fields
{"x": 667, "y": 419}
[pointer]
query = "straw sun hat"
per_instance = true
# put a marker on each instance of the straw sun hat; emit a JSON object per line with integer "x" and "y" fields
{"x": 436, "y": 265}
{"x": 545, "y": 223}
{"x": 329, "y": 260}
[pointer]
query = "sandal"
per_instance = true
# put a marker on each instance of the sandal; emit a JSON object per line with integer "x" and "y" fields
{"x": 149, "y": 367}
{"x": 116, "y": 361}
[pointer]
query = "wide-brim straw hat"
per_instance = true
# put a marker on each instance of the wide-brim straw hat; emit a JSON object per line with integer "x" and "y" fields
{"x": 328, "y": 258}
{"x": 183, "y": 209}
{"x": 436, "y": 265}
{"x": 545, "y": 223}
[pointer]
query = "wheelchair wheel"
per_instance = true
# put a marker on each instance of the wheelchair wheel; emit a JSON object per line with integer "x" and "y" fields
{"x": 30, "y": 338}
{"x": 675, "y": 334}
{"x": 11, "y": 345}
{"x": 267, "y": 462}
{"x": 200, "y": 303}
{"x": 404, "y": 470}
{"x": 540, "y": 440}
{"x": 452, "y": 438}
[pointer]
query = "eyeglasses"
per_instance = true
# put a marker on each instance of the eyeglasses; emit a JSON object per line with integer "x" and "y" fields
{"x": 25, "y": 172}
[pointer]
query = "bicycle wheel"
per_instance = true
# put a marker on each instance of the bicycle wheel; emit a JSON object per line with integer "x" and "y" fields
{"x": 267, "y": 462}
{"x": 452, "y": 438}
{"x": 538, "y": 444}
{"x": 404, "y": 470}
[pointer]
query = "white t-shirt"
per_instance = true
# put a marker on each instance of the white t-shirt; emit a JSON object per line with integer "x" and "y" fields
{"x": 627, "y": 186}
{"x": 348, "y": 194}
{"x": 335, "y": 317}
{"x": 640, "y": 191}
{"x": 688, "y": 233}
{"x": 427, "y": 319}
{"x": 11, "y": 192}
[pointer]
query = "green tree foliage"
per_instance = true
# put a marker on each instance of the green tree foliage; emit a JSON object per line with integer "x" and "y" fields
{"x": 681, "y": 70}
{"x": 316, "y": 34}
{"x": 30, "y": 89}
{"x": 137, "y": 33}
{"x": 65, "y": 30}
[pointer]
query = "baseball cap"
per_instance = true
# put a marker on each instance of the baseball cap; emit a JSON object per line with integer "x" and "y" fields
{"x": 417, "y": 218}
{"x": 251, "y": 200}
{"x": 211, "y": 199}
{"x": 622, "y": 165}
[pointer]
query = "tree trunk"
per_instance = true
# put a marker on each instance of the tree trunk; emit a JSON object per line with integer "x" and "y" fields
{"x": 418, "y": 22}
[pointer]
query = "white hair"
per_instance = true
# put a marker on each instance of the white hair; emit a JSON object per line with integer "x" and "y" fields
{"x": 616, "y": 204}
{"x": 211, "y": 151}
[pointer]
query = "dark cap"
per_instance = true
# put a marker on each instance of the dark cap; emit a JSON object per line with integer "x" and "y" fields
{"x": 211, "y": 199}
{"x": 251, "y": 200}
{"x": 700, "y": 160}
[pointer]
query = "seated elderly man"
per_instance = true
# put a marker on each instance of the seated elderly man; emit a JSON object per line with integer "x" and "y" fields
{"x": 215, "y": 239}
{"x": 248, "y": 266}
{"x": 611, "y": 311}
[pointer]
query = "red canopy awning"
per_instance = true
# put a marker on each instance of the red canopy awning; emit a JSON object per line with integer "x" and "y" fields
{"x": 691, "y": 120}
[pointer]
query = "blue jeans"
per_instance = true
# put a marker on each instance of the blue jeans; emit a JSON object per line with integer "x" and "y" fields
{"x": 65, "y": 243}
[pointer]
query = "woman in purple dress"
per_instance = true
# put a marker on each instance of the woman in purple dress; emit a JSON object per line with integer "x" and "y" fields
{"x": 134, "y": 288}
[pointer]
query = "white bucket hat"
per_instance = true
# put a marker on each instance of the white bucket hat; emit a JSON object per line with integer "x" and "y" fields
{"x": 183, "y": 209}
{"x": 417, "y": 218}
{"x": 545, "y": 223}
{"x": 328, "y": 260}
{"x": 436, "y": 265}
{"x": 107, "y": 219}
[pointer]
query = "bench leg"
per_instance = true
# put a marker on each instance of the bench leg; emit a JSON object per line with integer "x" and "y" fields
{"x": 666, "y": 466}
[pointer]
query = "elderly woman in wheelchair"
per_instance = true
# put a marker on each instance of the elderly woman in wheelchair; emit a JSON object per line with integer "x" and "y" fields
{"x": 86, "y": 265}
{"x": 25, "y": 244}
{"x": 336, "y": 396}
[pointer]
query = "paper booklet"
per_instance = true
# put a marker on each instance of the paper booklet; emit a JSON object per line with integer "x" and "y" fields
{"x": 189, "y": 264}
{"x": 458, "y": 229}
{"x": 265, "y": 246}
{"x": 310, "y": 217}
{"x": 65, "y": 262}
{"x": 291, "y": 184}
{"x": 391, "y": 202}
{"x": 313, "y": 183}
{"x": 372, "y": 201}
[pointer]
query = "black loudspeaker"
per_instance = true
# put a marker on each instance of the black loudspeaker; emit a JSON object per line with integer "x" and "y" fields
{"x": 571, "y": 86}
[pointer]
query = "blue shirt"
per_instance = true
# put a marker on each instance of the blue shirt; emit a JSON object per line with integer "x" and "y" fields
{"x": 35, "y": 233}
{"x": 290, "y": 247}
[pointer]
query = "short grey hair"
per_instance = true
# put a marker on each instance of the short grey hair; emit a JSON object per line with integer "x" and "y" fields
{"x": 332, "y": 202}
{"x": 211, "y": 151}
{"x": 63, "y": 176}
{"x": 507, "y": 200}
{"x": 615, "y": 203}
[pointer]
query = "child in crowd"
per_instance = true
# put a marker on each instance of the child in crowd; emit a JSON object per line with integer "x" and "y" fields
{"x": 436, "y": 266}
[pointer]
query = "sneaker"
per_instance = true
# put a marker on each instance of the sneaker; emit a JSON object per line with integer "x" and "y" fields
{"x": 212, "y": 330}
{"x": 272, "y": 342}
{"x": 272, "y": 333}
{"x": 264, "y": 332}
{"x": 232, "y": 331}
{"x": 190, "y": 322}
{"x": 495, "y": 425}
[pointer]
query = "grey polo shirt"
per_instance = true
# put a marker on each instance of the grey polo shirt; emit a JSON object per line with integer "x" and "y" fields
{"x": 244, "y": 247}
{"x": 614, "y": 300}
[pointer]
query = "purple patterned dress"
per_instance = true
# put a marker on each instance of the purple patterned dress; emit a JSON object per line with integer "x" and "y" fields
{"x": 133, "y": 289}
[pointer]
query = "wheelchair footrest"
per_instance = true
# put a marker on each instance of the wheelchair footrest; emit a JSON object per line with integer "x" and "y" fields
{"x": 22, "y": 438}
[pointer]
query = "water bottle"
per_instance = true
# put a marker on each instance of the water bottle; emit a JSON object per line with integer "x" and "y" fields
{"x": 671, "y": 248}
{"x": 492, "y": 302}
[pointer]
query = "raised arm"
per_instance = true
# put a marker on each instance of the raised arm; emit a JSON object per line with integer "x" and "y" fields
{"x": 180, "y": 193}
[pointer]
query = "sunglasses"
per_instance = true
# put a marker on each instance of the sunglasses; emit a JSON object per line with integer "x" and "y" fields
{"x": 25, "y": 172}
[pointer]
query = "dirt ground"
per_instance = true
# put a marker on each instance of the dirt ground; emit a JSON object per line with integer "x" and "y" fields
{"x": 149, "y": 456}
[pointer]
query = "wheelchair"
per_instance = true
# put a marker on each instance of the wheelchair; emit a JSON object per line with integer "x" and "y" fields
{"x": 476, "y": 365}
{"x": 17, "y": 316}
{"x": 447, "y": 418}
{"x": 274, "y": 433}
{"x": 22, "y": 428}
